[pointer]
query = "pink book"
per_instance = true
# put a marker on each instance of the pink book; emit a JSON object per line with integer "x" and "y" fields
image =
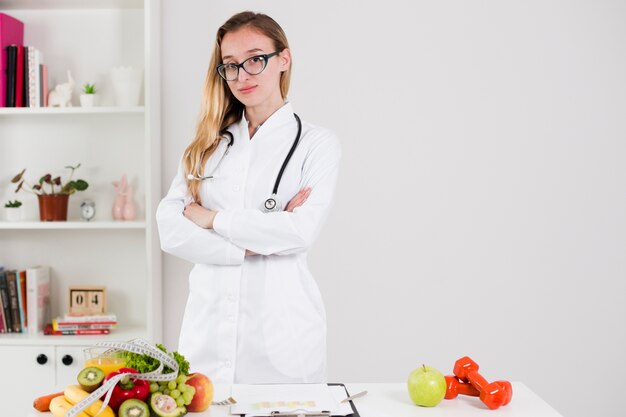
{"x": 11, "y": 32}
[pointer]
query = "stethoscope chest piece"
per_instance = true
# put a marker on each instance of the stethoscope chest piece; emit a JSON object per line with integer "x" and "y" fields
{"x": 271, "y": 204}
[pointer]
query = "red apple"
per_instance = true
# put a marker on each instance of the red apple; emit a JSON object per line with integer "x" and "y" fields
{"x": 204, "y": 392}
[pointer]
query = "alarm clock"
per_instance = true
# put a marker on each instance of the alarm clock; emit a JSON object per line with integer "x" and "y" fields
{"x": 87, "y": 210}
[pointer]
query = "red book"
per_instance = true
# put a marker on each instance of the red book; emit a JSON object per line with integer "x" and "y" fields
{"x": 19, "y": 77}
{"x": 11, "y": 33}
{"x": 50, "y": 332}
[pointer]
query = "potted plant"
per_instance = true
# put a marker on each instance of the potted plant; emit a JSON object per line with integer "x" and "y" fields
{"x": 13, "y": 210}
{"x": 88, "y": 96}
{"x": 53, "y": 193}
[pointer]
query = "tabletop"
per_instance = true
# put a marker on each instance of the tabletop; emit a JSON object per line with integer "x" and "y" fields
{"x": 392, "y": 400}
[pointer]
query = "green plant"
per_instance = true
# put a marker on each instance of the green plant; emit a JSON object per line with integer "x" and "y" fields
{"x": 51, "y": 186}
{"x": 89, "y": 88}
{"x": 13, "y": 204}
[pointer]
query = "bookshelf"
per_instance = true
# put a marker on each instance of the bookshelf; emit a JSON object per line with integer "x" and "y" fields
{"x": 69, "y": 225}
{"x": 89, "y": 37}
{"x": 15, "y": 111}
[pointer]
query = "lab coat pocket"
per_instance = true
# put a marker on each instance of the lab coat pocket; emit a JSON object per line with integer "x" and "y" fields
{"x": 295, "y": 329}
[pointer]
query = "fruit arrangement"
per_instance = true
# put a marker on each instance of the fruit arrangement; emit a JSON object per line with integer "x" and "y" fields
{"x": 157, "y": 394}
{"x": 427, "y": 386}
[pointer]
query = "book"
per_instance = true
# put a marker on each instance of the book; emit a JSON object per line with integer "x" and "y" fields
{"x": 21, "y": 292}
{"x": 82, "y": 325}
{"x": 19, "y": 76}
{"x": 48, "y": 330}
{"x": 3, "y": 322}
{"x": 10, "y": 75}
{"x": 38, "y": 297}
{"x": 25, "y": 87}
{"x": 108, "y": 327}
{"x": 6, "y": 304}
{"x": 34, "y": 61}
{"x": 87, "y": 318}
{"x": 44, "y": 85}
{"x": 15, "y": 309}
{"x": 11, "y": 33}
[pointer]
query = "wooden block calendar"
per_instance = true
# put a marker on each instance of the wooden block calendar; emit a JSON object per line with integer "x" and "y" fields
{"x": 86, "y": 300}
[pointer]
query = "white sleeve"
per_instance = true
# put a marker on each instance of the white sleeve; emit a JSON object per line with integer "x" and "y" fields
{"x": 183, "y": 238}
{"x": 284, "y": 233}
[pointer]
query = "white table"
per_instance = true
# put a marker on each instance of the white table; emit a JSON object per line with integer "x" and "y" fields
{"x": 392, "y": 400}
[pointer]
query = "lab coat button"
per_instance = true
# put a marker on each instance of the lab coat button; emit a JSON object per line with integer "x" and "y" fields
{"x": 231, "y": 319}
{"x": 236, "y": 188}
{"x": 228, "y": 364}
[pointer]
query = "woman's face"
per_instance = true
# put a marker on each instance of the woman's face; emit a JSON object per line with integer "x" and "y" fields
{"x": 260, "y": 89}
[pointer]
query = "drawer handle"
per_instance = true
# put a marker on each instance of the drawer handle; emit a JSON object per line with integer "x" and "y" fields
{"x": 67, "y": 360}
{"x": 42, "y": 359}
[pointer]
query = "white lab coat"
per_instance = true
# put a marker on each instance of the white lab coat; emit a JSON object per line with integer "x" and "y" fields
{"x": 257, "y": 319}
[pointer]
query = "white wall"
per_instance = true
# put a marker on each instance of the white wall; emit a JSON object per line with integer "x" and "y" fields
{"x": 480, "y": 208}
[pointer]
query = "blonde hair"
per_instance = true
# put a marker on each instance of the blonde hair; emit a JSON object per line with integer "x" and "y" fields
{"x": 219, "y": 108}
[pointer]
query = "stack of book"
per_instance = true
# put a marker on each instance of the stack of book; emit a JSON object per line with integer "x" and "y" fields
{"x": 82, "y": 325}
{"x": 23, "y": 75}
{"x": 24, "y": 299}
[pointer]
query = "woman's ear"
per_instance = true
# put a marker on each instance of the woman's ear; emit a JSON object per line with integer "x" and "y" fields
{"x": 285, "y": 59}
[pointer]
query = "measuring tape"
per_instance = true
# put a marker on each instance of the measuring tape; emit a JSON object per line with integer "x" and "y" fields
{"x": 138, "y": 346}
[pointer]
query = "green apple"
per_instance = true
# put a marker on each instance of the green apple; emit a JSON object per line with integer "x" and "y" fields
{"x": 427, "y": 386}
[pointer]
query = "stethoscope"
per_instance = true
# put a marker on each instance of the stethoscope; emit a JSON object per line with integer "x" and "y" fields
{"x": 271, "y": 204}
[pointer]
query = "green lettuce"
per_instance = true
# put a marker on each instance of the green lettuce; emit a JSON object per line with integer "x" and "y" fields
{"x": 144, "y": 363}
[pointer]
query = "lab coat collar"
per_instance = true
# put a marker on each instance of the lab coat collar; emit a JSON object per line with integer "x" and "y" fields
{"x": 280, "y": 117}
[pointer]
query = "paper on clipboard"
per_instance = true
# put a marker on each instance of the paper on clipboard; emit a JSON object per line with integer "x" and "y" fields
{"x": 261, "y": 400}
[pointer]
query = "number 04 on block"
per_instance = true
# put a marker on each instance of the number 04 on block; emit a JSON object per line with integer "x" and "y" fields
{"x": 87, "y": 300}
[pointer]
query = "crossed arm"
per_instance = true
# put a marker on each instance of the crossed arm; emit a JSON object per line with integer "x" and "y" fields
{"x": 203, "y": 217}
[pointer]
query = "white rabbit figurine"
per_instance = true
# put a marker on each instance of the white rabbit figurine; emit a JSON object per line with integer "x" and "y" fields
{"x": 61, "y": 96}
{"x": 120, "y": 198}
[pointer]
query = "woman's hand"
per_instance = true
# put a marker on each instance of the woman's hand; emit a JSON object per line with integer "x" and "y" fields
{"x": 298, "y": 200}
{"x": 201, "y": 216}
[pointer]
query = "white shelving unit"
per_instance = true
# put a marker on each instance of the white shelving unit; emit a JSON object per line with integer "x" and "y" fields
{"x": 71, "y": 225}
{"x": 88, "y": 37}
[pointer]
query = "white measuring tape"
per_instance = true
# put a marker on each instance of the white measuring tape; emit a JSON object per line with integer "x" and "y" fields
{"x": 139, "y": 346}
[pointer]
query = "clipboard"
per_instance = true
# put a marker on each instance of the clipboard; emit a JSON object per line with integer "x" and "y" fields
{"x": 355, "y": 412}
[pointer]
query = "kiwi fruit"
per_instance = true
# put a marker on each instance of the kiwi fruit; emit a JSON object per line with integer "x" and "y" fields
{"x": 90, "y": 378}
{"x": 134, "y": 408}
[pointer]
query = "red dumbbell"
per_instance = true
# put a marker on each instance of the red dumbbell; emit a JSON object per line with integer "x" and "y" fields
{"x": 454, "y": 387}
{"x": 493, "y": 395}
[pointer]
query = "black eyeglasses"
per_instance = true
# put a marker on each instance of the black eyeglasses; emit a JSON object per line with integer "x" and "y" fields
{"x": 253, "y": 66}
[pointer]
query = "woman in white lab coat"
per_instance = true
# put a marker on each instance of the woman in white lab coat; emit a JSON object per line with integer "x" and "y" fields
{"x": 254, "y": 312}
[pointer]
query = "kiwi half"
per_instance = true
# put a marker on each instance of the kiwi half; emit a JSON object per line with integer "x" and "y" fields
{"x": 134, "y": 408}
{"x": 90, "y": 378}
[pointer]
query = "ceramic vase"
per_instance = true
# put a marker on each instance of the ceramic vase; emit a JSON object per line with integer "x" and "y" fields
{"x": 129, "y": 211}
{"x": 117, "y": 210}
{"x": 88, "y": 100}
{"x": 126, "y": 86}
{"x": 13, "y": 214}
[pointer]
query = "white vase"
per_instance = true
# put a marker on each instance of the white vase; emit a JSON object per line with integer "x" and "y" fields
{"x": 126, "y": 86}
{"x": 13, "y": 214}
{"x": 88, "y": 100}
